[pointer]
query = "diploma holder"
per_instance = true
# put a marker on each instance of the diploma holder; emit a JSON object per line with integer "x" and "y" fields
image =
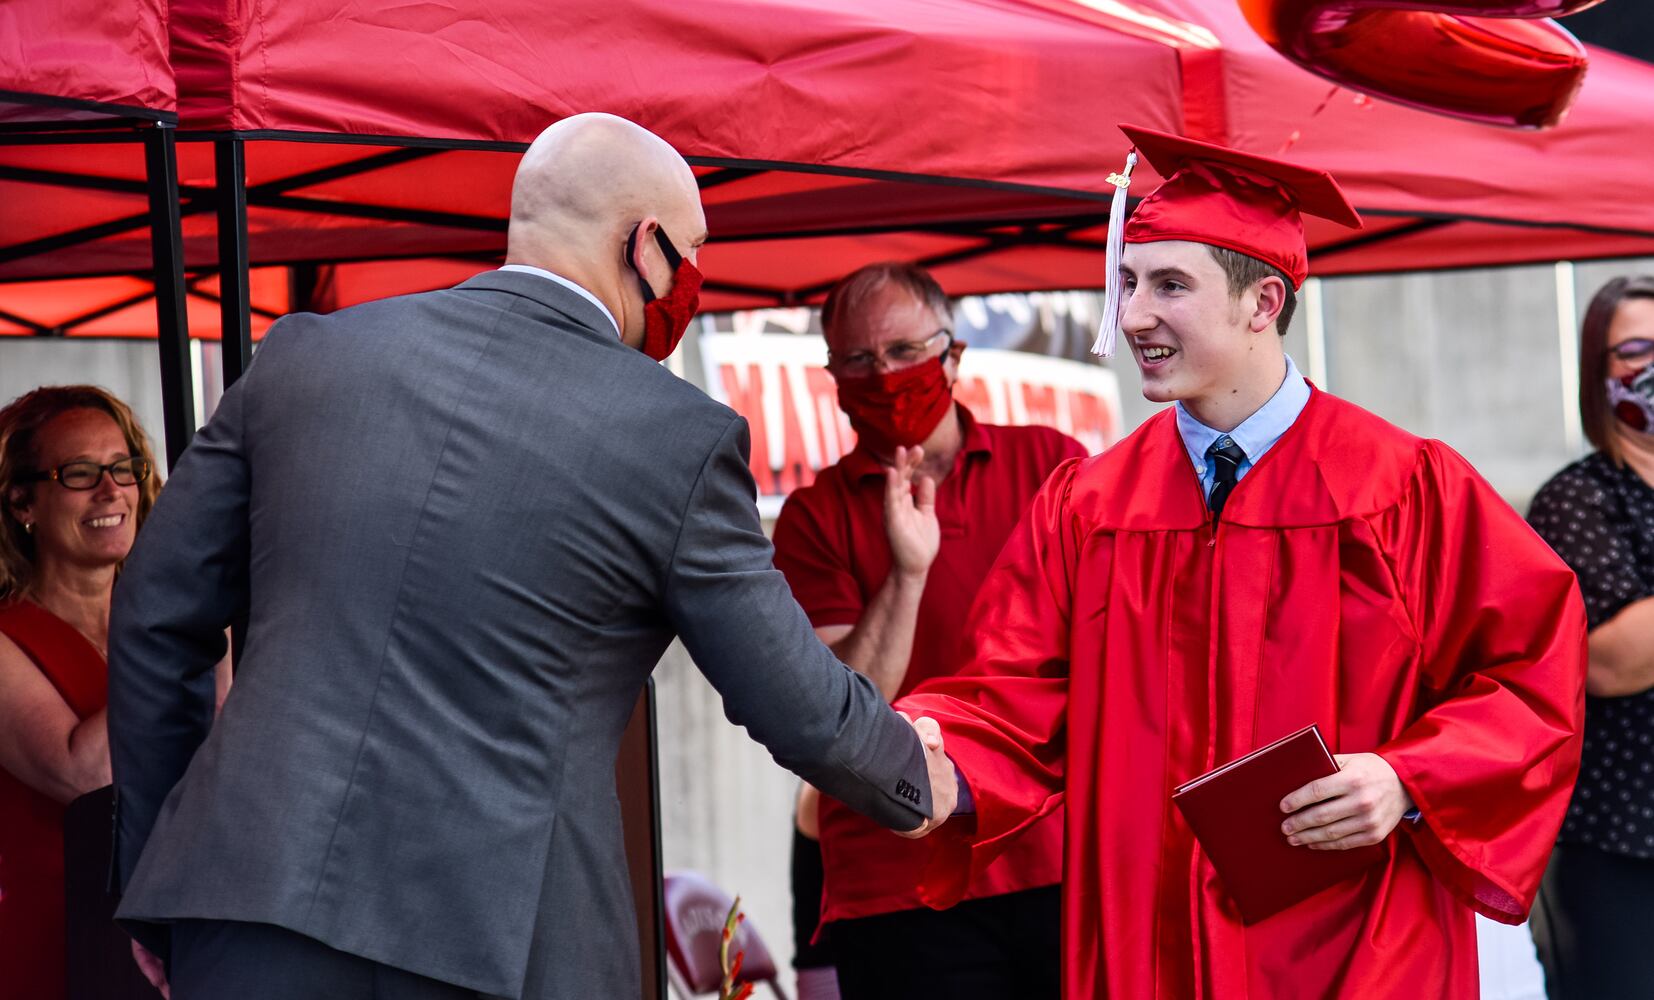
{"x": 1235, "y": 813}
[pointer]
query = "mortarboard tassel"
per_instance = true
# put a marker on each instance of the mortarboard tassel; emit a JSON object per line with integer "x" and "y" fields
{"x": 1109, "y": 332}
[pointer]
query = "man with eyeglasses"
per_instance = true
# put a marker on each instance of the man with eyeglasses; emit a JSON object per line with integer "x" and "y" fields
{"x": 885, "y": 551}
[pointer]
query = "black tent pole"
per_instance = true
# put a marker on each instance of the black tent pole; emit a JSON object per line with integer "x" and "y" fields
{"x": 234, "y": 306}
{"x": 172, "y": 323}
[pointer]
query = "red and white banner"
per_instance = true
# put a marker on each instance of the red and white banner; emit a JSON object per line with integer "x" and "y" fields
{"x": 779, "y": 383}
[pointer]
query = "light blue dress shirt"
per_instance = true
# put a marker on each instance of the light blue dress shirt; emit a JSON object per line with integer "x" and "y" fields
{"x": 1255, "y": 435}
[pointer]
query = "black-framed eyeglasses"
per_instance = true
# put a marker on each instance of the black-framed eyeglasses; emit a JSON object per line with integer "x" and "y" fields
{"x": 893, "y": 357}
{"x": 1633, "y": 350}
{"x": 86, "y": 475}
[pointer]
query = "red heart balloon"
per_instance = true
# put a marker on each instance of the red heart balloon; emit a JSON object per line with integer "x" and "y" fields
{"x": 1498, "y": 61}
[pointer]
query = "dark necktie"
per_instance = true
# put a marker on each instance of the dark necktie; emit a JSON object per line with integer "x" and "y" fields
{"x": 1227, "y": 456}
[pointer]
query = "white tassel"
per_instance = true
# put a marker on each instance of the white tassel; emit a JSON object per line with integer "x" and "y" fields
{"x": 1109, "y": 332}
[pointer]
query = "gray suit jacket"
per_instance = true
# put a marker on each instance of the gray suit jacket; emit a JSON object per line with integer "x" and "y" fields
{"x": 461, "y": 527}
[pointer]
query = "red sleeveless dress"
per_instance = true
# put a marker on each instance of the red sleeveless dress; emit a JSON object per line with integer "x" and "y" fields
{"x": 32, "y": 961}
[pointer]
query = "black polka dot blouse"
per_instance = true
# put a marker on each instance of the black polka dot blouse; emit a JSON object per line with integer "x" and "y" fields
{"x": 1599, "y": 518}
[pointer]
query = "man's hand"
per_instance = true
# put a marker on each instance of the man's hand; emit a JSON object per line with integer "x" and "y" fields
{"x": 944, "y": 783}
{"x": 152, "y": 969}
{"x": 910, "y": 514}
{"x": 1356, "y": 807}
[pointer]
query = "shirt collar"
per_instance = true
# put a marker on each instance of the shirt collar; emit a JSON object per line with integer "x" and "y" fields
{"x": 860, "y": 463}
{"x": 1257, "y": 433}
{"x": 566, "y": 283}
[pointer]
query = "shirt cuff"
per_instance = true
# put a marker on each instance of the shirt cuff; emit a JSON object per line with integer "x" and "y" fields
{"x": 966, "y": 804}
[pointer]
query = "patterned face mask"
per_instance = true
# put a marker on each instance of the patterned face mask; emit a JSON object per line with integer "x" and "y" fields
{"x": 1632, "y": 399}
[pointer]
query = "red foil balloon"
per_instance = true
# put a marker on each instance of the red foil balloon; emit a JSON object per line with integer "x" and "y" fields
{"x": 1499, "y": 61}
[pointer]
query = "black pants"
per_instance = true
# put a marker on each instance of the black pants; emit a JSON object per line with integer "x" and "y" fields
{"x": 807, "y": 879}
{"x": 1594, "y": 925}
{"x": 227, "y": 960}
{"x": 995, "y": 948}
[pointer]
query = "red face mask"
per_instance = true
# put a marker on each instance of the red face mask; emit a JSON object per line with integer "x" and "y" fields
{"x": 665, "y": 318}
{"x": 897, "y": 409}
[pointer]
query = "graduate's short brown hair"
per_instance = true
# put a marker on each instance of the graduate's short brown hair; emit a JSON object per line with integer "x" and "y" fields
{"x": 1595, "y": 415}
{"x": 1243, "y": 272}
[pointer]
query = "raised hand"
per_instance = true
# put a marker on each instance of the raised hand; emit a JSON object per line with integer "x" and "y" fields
{"x": 944, "y": 781}
{"x": 1356, "y": 807}
{"x": 910, "y": 514}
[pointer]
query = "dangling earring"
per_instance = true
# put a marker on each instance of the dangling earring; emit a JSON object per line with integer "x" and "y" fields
{"x": 28, "y": 527}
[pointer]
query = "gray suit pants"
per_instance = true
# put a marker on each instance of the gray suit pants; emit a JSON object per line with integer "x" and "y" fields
{"x": 230, "y": 960}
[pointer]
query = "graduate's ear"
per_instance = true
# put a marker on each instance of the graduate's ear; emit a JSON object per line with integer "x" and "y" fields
{"x": 1267, "y": 297}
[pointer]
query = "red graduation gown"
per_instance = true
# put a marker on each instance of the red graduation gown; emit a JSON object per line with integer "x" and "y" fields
{"x": 1360, "y": 578}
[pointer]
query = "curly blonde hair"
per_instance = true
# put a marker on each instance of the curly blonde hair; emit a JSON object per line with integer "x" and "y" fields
{"x": 19, "y": 423}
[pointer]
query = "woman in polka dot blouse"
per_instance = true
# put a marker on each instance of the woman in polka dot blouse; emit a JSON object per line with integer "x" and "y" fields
{"x": 1594, "y": 921}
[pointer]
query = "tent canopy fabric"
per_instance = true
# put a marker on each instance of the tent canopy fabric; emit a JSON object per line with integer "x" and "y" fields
{"x": 972, "y": 136}
{"x": 84, "y": 63}
{"x": 861, "y": 85}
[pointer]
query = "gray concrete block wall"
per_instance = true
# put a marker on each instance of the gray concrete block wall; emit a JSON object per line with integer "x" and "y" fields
{"x": 128, "y": 368}
{"x": 726, "y": 807}
{"x": 1470, "y": 357}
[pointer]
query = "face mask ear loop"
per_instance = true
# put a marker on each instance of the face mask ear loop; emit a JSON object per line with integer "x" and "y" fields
{"x": 670, "y": 252}
{"x": 631, "y": 248}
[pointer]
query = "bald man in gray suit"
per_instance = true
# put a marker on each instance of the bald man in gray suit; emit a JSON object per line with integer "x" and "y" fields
{"x": 461, "y": 527}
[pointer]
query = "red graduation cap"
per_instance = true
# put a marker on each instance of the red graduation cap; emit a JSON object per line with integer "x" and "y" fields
{"x": 1220, "y": 196}
{"x": 1247, "y": 203}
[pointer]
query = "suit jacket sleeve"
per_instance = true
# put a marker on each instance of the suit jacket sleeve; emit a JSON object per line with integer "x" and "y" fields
{"x": 735, "y": 614}
{"x": 182, "y": 584}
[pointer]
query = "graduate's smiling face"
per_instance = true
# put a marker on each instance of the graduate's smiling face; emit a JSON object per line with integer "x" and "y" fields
{"x": 1191, "y": 336}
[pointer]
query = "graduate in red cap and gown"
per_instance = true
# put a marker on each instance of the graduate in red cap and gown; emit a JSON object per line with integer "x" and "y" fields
{"x": 1256, "y": 558}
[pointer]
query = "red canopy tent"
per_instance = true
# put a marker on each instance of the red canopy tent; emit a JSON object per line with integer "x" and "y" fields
{"x": 79, "y": 71}
{"x": 1440, "y": 192}
{"x": 990, "y": 171}
{"x": 112, "y": 70}
{"x": 318, "y": 90}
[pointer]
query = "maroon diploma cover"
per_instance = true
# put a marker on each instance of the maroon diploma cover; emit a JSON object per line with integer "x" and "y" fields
{"x": 1235, "y": 813}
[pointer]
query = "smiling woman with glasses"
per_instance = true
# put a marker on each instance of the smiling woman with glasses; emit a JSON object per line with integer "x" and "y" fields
{"x": 1597, "y": 900}
{"x": 75, "y": 484}
{"x": 128, "y": 471}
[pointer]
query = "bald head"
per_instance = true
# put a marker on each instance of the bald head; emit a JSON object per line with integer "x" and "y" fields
{"x": 582, "y": 187}
{"x": 590, "y": 178}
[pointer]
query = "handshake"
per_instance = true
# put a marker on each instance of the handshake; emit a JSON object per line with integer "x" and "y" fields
{"x": 944, "y": 778}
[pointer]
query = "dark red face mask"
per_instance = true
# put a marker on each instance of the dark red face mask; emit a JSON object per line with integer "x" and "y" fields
{"x": 897, "y": 409}
{"x": 665, "y": 318}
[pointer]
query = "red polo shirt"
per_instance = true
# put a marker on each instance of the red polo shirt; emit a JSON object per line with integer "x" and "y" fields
{"x": 831, "y": 546}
